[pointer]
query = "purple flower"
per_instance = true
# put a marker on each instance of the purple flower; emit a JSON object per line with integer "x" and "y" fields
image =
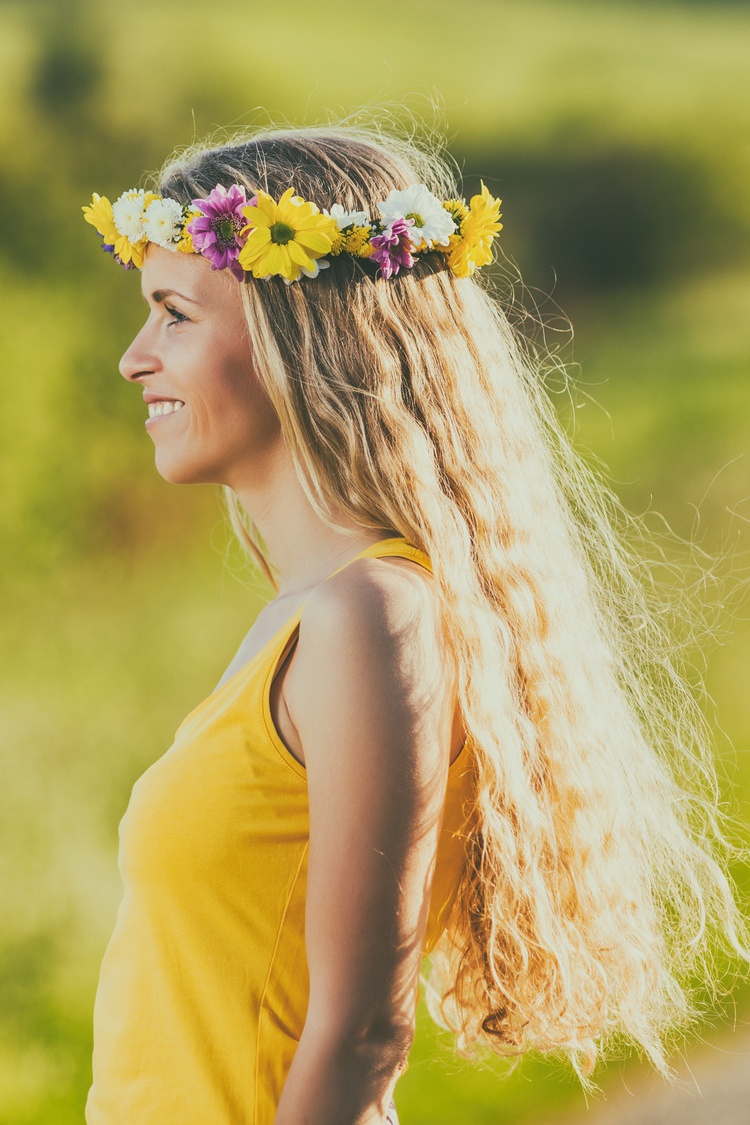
{"x": 216, "y": 234}
{"x": 393, "y": 247}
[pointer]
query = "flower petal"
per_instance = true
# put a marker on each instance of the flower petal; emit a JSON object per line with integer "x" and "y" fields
{"x": 314, "y": 240}
{"x": 285, "y": 203}
{"x": 257, "y": 239}
{"x": 257, "y": 216}
{"x": 255, "y": 248}
{"x": 267, "y": 206}
{"x": 278, "y": 259}
{"x": 298, "y": 255}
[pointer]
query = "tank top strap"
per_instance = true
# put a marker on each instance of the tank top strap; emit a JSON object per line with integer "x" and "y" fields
{"x": 397, "y": 545}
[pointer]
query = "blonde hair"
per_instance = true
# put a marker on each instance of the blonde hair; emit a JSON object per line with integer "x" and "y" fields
{"x": 595, "y": 888}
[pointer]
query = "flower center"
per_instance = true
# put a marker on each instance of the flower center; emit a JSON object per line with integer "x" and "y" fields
{"x": 418, "y": 220}
{"x": 282, "y": 233}
{"x": 225, "y": 227}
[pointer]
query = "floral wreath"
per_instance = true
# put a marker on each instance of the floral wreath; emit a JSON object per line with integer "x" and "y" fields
{"x": 292, "y": 237}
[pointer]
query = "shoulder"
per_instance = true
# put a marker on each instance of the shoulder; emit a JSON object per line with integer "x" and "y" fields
{"x": 374, "y": 605}
{"x": 368, "y": 650}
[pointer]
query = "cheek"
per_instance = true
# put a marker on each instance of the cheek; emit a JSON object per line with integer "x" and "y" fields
{"x": 247, "y": 390}
{"x": 237, "y": 399}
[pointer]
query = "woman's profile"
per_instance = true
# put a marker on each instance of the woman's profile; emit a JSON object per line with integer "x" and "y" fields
{"x": 457, "y": 729}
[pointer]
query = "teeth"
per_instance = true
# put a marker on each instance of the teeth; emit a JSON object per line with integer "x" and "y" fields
{"x": 155, "y": 409}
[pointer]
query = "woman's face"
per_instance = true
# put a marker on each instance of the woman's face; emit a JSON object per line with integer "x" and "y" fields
{"x": 194, "y": 350}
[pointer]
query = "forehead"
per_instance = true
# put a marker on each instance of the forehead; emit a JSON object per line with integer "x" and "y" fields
{"x": 188, "y": 274}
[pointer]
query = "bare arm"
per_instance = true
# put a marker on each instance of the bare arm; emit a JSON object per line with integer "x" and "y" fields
{"x": 369, "y": 698}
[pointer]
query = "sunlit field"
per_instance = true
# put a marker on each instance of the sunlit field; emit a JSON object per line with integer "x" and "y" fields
{"x": 619, "y": 141}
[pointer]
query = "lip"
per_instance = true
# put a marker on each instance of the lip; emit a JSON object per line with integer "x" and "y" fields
{"x": 151, "y": 422}
{"x": 149, "y": 397}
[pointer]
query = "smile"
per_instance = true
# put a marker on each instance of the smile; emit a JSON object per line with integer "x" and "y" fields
{"x": 169, "y": 406}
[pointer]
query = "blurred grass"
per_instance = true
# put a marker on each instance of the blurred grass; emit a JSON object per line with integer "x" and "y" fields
{"x": 619, "y": 142}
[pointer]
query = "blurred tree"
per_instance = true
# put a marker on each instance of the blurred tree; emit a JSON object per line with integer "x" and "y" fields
{"x": 614, "y": 216}
{"x": 68, "y": 70}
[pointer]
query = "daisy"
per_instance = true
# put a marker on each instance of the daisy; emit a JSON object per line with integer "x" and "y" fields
{"x": 162, "y": 223}
{"x": 285, "y": 238}
{"x": 346, "y": 219}
{"x": 432, "y": 223}
{"x": 128, "y": 213}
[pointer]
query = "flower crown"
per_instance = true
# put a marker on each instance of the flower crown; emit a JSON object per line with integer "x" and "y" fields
{"x": 292, "y": 237}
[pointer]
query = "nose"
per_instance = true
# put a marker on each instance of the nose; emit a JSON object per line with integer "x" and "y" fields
{"x": 139, "y": 359}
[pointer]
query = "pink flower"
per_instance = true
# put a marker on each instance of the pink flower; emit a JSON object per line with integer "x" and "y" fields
{"x": 393, "y": 247}
{"x": 216, "y": 234}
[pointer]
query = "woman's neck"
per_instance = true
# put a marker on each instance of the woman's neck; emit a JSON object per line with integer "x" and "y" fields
{"x": 302, "y": 547}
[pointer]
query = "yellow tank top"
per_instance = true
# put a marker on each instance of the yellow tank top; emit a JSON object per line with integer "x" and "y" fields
{"x": 204, "y": 984}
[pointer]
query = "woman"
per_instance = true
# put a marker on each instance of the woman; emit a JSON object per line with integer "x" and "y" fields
{"x": 455, "y": 730}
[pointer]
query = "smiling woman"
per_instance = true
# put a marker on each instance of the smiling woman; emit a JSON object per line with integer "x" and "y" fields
{"x": 193, "y": 350}
{"x": 457, "y": 730}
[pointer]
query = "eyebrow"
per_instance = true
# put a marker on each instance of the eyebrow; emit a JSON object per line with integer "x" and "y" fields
{"x": 158, "y": 296}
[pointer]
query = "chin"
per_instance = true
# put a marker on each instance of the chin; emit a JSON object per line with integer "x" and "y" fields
{"x": 176, "y": 471}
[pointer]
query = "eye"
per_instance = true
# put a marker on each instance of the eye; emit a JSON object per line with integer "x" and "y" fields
{"x": 177, "y": 317}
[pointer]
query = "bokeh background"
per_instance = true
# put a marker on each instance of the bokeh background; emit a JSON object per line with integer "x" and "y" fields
{"x": 618, "y": 136}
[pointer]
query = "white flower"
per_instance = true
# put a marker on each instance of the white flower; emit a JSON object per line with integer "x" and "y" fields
{"x": 432, "y": 223}
{"x": 127, "y": 212}
{"x": 348, "y": 218}
{"x": 162, "y": 223}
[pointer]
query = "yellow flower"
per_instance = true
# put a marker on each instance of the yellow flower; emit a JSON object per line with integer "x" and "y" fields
{"x": 99, "y": 214}
{"x": 285, "y": 238}
{"x": 454, "y": 240}
{"x": 357, "y": 241}
{"x": 481, "y": 224}
{"x": 338, "y": 245}
{"x": 478, "y": 230}
{"x": 186, "y": 242}
{"x": 128, "y": 251}
{"x": 459, "y": 260}
{"x": 457, "y": 210}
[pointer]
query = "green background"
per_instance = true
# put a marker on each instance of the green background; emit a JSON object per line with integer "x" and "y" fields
{"x": 618, "y": 136}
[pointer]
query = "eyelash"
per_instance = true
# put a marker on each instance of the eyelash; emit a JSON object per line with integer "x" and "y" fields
{"x": 178, "y": 317}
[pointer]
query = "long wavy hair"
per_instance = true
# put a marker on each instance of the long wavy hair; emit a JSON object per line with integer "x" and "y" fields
{"x": 595, "y": 891}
